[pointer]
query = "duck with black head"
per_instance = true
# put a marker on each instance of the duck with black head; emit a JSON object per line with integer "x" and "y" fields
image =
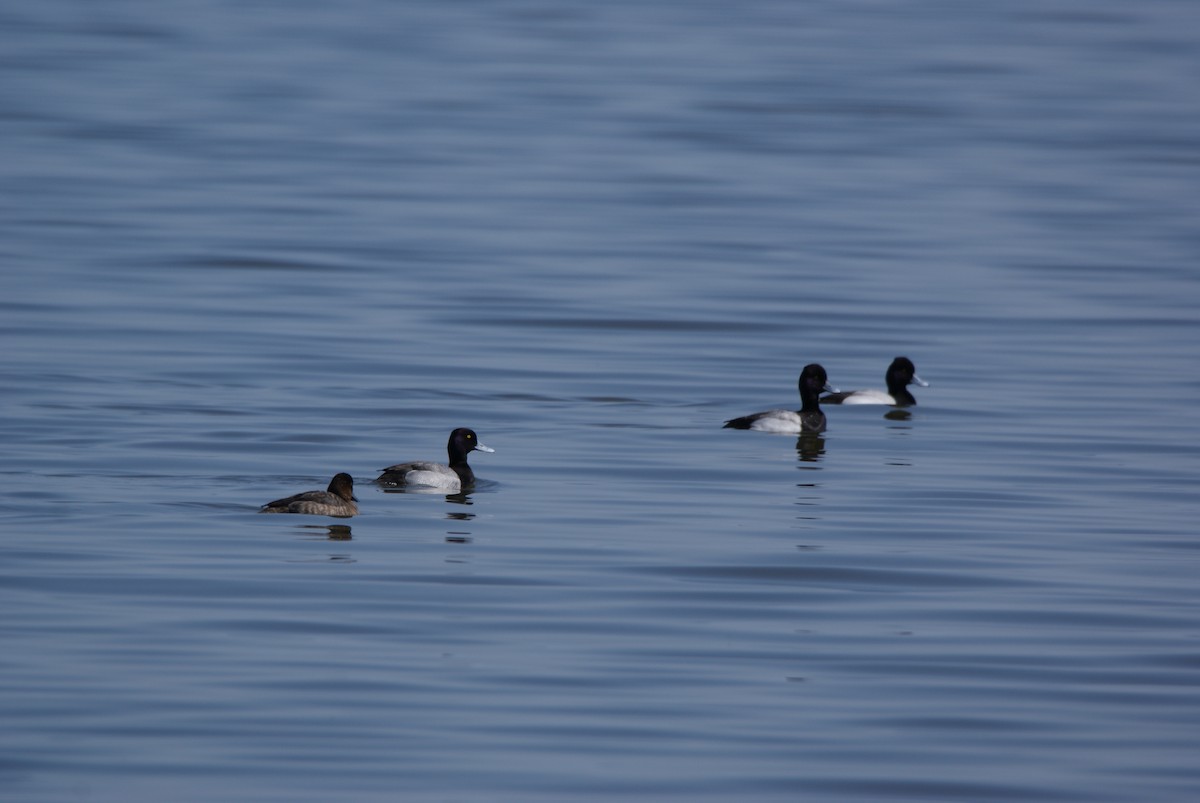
{"x": 809, "y": 418}
{"x": 426, "y": 474}
{"x": 900, "y": 374}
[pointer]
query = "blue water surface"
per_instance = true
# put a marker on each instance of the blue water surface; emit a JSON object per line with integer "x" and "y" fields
{"x": 248, "y": 246}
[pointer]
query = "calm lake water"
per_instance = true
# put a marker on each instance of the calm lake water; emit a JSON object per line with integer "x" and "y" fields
{"x": 247, "y": 246}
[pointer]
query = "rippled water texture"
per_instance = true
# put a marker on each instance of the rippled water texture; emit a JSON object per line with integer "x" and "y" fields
{"x": 246, "y": 247}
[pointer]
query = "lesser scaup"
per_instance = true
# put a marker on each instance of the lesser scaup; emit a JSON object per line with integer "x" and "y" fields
{"x": 438, "y": 475}
{"x": 338, "y": 500}
{"x": 900, "y": 374}
{"x": 808, "y": 419}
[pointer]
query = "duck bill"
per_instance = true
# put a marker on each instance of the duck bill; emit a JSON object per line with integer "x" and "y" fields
{"x": 829, "y": 389}
{"x": 919, "y": 381}
{"x": 480, "y": 447}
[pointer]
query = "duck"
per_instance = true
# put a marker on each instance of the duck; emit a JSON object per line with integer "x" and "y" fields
{"x": 809, "y": 418}
{"x": 900, "y": 374}
{"x": 453, "y": 477}
{"x": 337, "y": 500}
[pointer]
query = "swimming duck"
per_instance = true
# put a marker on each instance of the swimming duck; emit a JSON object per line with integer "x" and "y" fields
{"x": 900, "y": 374}
{"x": 808, "y": 418}
{"x": 338, "y": 500}
{"x": 426, "y": 474}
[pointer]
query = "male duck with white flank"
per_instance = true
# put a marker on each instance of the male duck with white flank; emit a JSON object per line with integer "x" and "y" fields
{"x": 426, "y": 474}
{"x": 809, "y": 418}
{"x": 900, "y": 374}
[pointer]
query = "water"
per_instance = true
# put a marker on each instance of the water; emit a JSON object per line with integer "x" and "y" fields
{"x": 245, "y": 248}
